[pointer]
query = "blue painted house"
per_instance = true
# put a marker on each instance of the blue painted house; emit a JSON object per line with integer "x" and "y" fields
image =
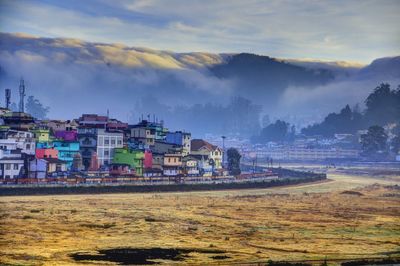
{"x": 66, "y": 151}
{"x": 37, "y": 168}
{"x": 44, "y": 145}
{"x": 180, "y": 138}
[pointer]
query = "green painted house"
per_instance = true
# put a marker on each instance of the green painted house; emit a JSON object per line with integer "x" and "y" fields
{"x": 42, "y": 135}
{"x": 132, "y": 157}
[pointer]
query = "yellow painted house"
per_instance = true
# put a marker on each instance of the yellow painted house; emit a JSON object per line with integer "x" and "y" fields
{"x": 42, "y": 135}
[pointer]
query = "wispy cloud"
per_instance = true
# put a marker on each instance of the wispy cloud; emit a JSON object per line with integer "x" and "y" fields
{"x": 331, "y": 30}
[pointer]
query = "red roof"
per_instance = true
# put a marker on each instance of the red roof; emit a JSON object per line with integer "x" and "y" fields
{"x": 197, "y": 144}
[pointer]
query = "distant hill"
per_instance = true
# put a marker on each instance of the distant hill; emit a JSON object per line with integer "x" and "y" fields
{"x": 266, "y": 77}
{"x": 130, "y": 81}
{"x": 387, "y": 67}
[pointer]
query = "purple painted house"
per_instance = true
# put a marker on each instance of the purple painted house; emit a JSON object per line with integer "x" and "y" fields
{"x": 66, "y": 135}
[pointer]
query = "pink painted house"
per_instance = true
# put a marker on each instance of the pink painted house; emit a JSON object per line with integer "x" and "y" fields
{"x": 148, "y": 159}
{"x": 46, "y": 153}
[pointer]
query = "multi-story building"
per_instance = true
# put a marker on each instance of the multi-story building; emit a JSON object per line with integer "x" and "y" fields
{"x": 87, "y": 138}
{"x": 172, "y": 165}
{"x": 93, "y": 121}
{"x": 11, "y": 164}
{"x": 18, "y": 121}
{"x": 107, "y": 141}
{"x": 164, "y": 147}
{"x": 59, "y": 125}
{"x": 180, "y": 138}
{"x": 41, "y": 134}
{"x": 143, "y": 133}
{"x": 46, "y": 153}
{"x": 148, "y": 159}
{"x": 55, "y": 166}
{"x": 157, "y": 160}
{"x": 37, "y": 168}
{"x": 66, "y": 151}
{"x": 15, "y": 139}
{"x": 214, "y": 153}
{"x": 66, "y": 135}
{"x": 190, "y": 166}
{"x": 133, "y": 158}
{"x": 114, "y": 124}
{"x": 148, "y": 132}
{"x": 203, "y": 164}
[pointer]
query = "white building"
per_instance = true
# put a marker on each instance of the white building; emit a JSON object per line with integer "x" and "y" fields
{"x": 11, "y": 164}
{"x": 107, "y": 141}
{"x": 304, "y": 154}
{"x": 16, "y": 139}
{"x": 202, "y": 147}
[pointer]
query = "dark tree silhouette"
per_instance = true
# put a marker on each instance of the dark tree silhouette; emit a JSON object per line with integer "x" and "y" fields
{"x": 383, "y": 105}
{"x": 395, "y": 144}
{"x": 278, "y": 131}
{"x": 234, "y": 161}
{"x": 382, "y": 108}
{"x": 36, "y": 108}
{"x": 374, "y": 142}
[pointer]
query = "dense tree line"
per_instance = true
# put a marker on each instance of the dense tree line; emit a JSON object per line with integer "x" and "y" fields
{"x": 34, "y": 107}
{"x": 377, "y": 145}
{"x": 382, "y": 108}
{"x": 238, "y": 116}
{"x": 278, "y": 131}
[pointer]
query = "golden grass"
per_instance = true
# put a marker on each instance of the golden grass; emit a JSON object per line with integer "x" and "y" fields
{"x": 251, "y": 225}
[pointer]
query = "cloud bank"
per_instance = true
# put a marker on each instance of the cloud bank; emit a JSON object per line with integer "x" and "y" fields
{"x": 281, "y": 28}
{"x": 74, "y": 77}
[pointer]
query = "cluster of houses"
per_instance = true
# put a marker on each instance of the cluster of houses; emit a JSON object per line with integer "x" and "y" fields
{"x": 96, "y": 145}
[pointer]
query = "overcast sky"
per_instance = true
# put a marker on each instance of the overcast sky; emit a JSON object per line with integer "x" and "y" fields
{"x": 327, "y": 30}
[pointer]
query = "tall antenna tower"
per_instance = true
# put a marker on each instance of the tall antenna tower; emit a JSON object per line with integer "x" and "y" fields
{"x": 8, "y": 98}
{"x": 21, "y": 95}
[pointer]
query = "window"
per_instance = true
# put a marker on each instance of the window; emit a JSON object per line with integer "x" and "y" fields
{"x": 106, "y": 153}
{"x": 86, "y": 141}
{"x": 7, "y": 176}
{"x": 8, "y": 166}
{"x": 113, "y": 142}
{"x": 119, "y": 142}
{"x": 106, "y": 142}
{"x": 28, "y": 146}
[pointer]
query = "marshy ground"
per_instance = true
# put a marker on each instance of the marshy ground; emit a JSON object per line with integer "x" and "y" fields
{"x": 348, "y": 217}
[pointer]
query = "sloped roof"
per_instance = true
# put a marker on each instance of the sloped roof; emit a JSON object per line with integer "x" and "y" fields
{"x": 199, "y": 157}
{"x": 197, "y": 144}
{"x": 54, "y": 160}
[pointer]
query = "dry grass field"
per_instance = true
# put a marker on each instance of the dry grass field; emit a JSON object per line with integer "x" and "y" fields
{"x": 310, "y": 222}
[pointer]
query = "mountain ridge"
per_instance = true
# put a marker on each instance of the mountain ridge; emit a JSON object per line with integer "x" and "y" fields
{"x": 119, "y": 77}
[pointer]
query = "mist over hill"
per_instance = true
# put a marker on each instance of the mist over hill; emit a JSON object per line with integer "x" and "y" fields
{"x": 74, "y": 77}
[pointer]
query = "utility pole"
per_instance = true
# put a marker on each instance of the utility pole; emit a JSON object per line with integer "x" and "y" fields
{"x": 8, "y": 98}
{"x": 21, "y": 95}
